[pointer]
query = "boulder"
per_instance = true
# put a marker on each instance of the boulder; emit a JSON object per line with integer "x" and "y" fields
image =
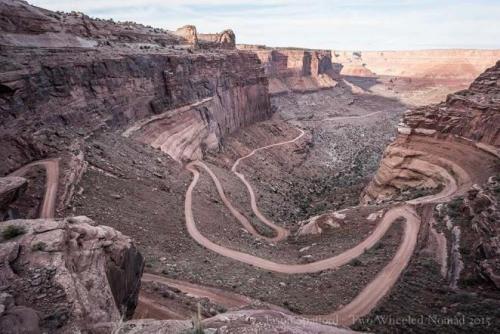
{"x": 71, "y": 272}
{"x": 11, "y": 187}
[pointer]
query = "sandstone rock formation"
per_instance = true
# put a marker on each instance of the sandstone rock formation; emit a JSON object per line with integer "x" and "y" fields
{"x": 225, "y": 39}
{"x": 10, "y": 189}
{"x": 481, "y": 205}
{"x": 126, "y": 73}
{"x": 454, "y": 135}
{"x": 430, "y": 64}
{"x": 296, "y": 70}
{"x": 473, "y": 113}
{"x": 213, "y": 103}
{"x": 189, "y": 33}
{"x": 65, "y": 275}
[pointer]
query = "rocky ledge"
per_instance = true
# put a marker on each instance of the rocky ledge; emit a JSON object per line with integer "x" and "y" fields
{"x": 454, "y": 137}
{"x": 64, "y": 276}
{"x": 473, "y": 113}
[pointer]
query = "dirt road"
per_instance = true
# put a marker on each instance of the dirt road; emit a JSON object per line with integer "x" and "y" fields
{"x": 342, "y": 118}
{"x": 281, "y": 233}
{"x": 359, "y": 306}
{"x": 376, "y": 289}
{"x": 51, "y": 182}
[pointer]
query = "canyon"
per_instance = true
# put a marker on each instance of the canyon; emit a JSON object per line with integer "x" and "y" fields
{"x": 173, "y": 181}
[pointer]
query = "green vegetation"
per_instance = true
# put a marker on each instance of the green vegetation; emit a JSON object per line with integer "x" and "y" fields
{"x": 12, "y": 231}
{"x": 39, "y": 246}
{"x": 356, "y": 263}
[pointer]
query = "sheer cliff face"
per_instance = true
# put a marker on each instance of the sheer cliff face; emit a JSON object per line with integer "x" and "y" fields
{"x": 296, "y": 70}
{"x": 473, "y": 114}
{"x": 459, "y": 138}
{"x": 206, "y": 99}
{"x": 60, "y": 89}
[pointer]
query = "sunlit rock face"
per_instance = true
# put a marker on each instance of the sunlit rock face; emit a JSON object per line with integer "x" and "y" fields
{"x": 296, "y": 70}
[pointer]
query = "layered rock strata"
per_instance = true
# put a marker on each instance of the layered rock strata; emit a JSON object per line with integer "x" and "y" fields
{"x": 296, "y": 70}
{"x": 63, "y": 276}
{"x": 461, "y": 135}
{"x": 128, "y": 73}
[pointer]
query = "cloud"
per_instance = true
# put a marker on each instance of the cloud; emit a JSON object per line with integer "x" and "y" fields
{"x": 331, "y": 24}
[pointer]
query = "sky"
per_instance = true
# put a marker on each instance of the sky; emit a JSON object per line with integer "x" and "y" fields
{"x": 325, "y": 24}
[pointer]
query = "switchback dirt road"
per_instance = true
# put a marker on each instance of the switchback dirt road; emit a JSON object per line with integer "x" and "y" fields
{"x": 374, "y": 291}
{"x": 361, "y": 305}
{"x": 51, "y": 183}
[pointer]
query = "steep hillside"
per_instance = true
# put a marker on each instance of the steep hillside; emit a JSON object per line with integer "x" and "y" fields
{"x": 455, "y": 271}
{"x": 462, "y": 132}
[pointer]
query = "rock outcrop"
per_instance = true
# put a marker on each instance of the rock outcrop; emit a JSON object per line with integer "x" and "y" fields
{"x": 451, "y": 138}
{"x": 10, "y": 189}
{"x": 189, "y": 33}
{"x": 296, "y": 70}
{"x": 225, "y": 39}
{"x": 25, "y": 25}
{"x": 430, "y": 64}
{"x": 61, "y": 276}
{"x": 473, "y": 113}
{"x": 481, "y": 206}
{"x": 236, "y": 322}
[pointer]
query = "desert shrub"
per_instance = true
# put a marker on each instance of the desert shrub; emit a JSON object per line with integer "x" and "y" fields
{"x": 12, "y": 231}
{"x": 356, "y": 263}
{"x": 39, "y": 246}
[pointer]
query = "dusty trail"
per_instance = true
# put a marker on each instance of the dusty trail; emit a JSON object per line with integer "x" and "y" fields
{"x": 281, "y": 233}
{"x": 218, "y": 296}
{"x": 329, "y": 263}
{"x": 51, "y": 182}
{"x": 368, "y": 298}
{"x": 342, "y": 118}
{"x": 235, "y": 212}
{"x": 148, "y": 308}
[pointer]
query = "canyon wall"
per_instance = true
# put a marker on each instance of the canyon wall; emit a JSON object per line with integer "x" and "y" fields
{"x": 296, "y": 70}
{"x": 55, "y": 94}
{"x": 457, "y": 139}
{"x": 432, "y": 64}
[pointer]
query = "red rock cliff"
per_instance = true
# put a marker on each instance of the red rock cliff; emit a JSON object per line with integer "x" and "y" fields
{"x": 297, "y": 70}
{"x": 94, "y": 73}
{"x": 455, "y": 141}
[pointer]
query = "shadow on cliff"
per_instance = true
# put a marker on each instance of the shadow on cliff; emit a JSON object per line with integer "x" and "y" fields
{"x": 365, "y": 83}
